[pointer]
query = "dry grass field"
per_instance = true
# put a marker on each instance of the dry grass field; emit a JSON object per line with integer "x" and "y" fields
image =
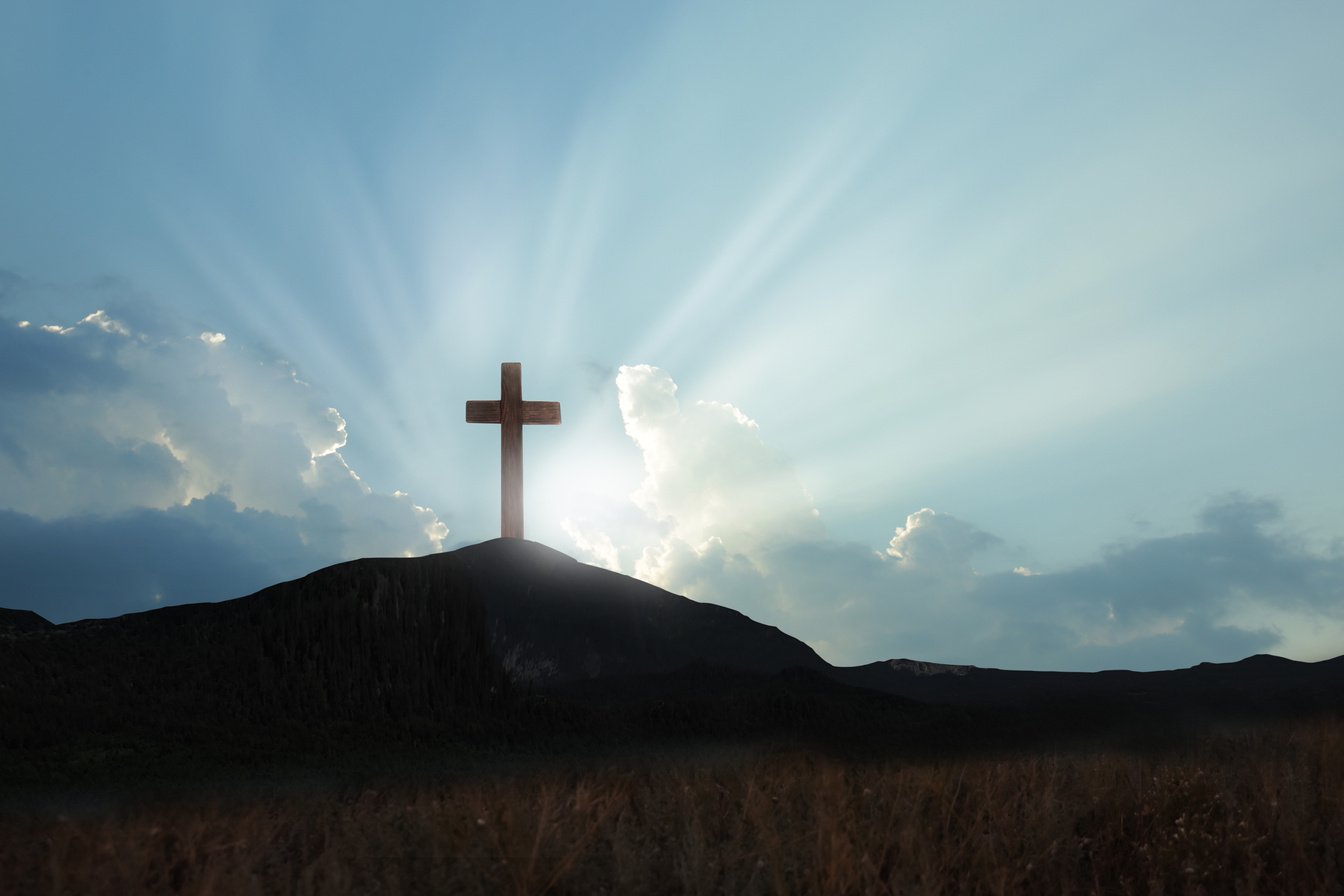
{"x": 1257, "y": 811}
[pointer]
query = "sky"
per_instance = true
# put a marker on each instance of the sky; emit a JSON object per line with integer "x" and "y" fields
{"x": 1000, "y": 334}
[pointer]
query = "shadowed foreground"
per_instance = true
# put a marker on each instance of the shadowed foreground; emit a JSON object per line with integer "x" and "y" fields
{"x": 550, "y": 727}
{"x": 1254, "y": 811}
{"x": 510, "y": 644}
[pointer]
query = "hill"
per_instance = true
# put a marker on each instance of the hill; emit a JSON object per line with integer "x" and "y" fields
{"x": 512, "y": 640}
{"x": 457, "y": 646}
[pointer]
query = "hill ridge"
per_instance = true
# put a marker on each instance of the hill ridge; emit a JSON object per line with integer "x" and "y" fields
{"x": 514, "y": 635}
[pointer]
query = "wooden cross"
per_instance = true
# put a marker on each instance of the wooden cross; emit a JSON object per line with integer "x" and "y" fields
{"x": 511, "y": 412}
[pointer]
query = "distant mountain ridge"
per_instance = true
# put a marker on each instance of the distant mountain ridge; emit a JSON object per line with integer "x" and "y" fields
{"x": 475, "y": 639}
{"x": 922, "y": 668}
{"x": 1257, "y": 685}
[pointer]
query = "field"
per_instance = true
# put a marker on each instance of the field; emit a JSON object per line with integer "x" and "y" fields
{"x": 1256, "y": 810}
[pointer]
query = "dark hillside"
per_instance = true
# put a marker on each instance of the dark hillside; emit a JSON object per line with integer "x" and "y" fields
{"x": 17, "y": 622}
{"x": 369, "y": 642}
{"x": 449, "y": 642}
{"x": 510, "y": 641}
{"x": 555, "y": 620}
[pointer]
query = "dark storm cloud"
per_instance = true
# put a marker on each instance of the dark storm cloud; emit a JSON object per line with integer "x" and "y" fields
{"x": 80, "y": 567}
{"x": 1234, "y": 558}
{"x": 33, "y": 360}
{"x": 1036, "y": 642}
{"x": 1162, "y": 602}
{"x": 1159, "y": 602}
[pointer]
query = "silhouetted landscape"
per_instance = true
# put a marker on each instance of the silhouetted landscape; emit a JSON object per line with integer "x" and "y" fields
{"x": 470, "y": 672}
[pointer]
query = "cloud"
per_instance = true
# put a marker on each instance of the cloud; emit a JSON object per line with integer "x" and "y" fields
{"x": 712, "y": 490}
{"x": 32, "y": 363}
{"x": 938, "y": 543}
{"x": 708, "y": 473}
{"x": 97, "y": 566}
{"x": 721, "y": 516}
{"x": 175, "y": 435}
{"x": 1171, "y": 597}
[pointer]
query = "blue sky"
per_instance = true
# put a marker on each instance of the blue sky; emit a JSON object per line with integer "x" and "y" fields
{"x": 976, "y": 333}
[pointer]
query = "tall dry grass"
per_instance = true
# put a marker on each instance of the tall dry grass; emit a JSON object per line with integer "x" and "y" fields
{"x": 1253, "y": 812}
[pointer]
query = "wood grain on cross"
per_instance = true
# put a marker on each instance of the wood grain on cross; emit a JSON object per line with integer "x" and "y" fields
{"x": 511, "y": 412}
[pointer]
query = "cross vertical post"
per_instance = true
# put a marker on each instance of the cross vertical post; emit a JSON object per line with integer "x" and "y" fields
{"x": 511, "y": 413}
{"x": 511, "y": 450}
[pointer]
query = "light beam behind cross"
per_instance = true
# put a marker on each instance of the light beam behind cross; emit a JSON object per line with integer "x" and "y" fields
{"x": 511, "y": 412}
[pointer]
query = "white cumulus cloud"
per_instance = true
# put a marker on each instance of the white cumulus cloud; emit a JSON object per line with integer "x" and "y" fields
{"x": 937, "y": 542}
{"x": 708, "y": 473}
{"x": 721, "y": 516}
{"x": 713, "y": 491}
{"x": 100, "y": 420}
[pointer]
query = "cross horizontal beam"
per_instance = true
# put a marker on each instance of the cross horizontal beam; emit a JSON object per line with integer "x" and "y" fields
{"x": 541, "y": 412}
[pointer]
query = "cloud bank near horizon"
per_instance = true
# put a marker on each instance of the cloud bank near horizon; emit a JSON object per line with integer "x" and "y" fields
{"x": 722, "y": 517}
{"x": 144, "y": 462}
{"x": 144, "y": 465}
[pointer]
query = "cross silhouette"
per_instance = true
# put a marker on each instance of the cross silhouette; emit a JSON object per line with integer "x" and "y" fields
{"x": 511, "y": 412}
